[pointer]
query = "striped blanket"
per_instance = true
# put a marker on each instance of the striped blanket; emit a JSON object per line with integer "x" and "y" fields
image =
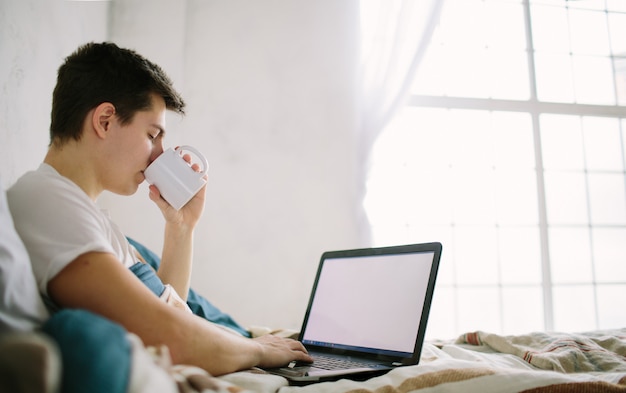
{"x": 565, "y": 353}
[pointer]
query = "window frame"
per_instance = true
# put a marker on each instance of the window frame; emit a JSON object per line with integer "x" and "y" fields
{"x": 535, "y": 108}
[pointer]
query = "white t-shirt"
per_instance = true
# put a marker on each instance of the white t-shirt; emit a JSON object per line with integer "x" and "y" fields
{"x": 21, "y": 307}
{"x": 58, "y": 222}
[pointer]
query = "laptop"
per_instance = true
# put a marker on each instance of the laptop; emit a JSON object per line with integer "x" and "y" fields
{"x": 367, "y": 312}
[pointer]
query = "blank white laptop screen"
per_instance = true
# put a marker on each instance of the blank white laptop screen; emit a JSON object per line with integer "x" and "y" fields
{"x": 370, "y": 302}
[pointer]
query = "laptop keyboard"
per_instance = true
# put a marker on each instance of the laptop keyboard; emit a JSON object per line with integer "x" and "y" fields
{"x": 329, "y": 363}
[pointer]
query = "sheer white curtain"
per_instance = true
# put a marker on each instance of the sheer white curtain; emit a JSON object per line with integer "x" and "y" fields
{"x": 395, "y": 35}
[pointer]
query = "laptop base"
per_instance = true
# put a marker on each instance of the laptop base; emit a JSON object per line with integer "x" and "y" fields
{"x": 359, "y": 377}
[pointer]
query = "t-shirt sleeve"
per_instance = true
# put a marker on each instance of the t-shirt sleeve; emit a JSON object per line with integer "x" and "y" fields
{"x": 57, "y": 223}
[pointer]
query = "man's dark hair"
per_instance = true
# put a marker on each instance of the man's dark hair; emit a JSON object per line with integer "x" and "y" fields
{"x": 103, "y": 72}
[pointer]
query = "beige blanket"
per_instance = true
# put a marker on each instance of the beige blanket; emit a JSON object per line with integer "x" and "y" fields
{"x": 475, "y": 362}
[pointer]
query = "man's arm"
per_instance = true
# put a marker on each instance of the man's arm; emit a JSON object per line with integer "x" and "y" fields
{"x": 100, "y": 283}
{"x": 177, "y": 255}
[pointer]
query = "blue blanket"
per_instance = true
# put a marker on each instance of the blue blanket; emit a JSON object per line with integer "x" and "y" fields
{"x": 198, "y": 304}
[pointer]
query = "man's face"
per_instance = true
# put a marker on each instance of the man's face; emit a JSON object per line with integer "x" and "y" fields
{"x": 134, "y": 147}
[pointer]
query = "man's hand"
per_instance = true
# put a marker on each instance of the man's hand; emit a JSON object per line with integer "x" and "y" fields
{"x": 278, "y": 351}
{"x": 189, "y": 214}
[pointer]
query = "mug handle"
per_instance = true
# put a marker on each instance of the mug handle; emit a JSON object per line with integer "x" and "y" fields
{"x": 205, "y": 163}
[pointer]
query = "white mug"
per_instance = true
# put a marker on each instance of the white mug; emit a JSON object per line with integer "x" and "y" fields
{"x": 173, "y": 176}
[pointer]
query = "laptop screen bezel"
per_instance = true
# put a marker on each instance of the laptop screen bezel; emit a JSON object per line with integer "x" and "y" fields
{"x": 373, "y": 354}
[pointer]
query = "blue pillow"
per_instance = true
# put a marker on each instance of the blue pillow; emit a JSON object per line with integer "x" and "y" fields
{"x": 198, "y": 304}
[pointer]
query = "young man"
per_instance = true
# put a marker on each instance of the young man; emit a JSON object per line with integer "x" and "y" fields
{"x": 107, "y": 126}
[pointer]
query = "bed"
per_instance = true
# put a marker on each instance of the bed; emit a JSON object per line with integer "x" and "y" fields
{"x": 475, "y": 362}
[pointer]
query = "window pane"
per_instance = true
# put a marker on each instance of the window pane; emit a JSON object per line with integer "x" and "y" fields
{"x": 607, "y": 199}
{"x": 520, "y": 255}
{"x": 506, "y": 25}
{"x": 508, "y": 75}
{"x": 471, "y": 139}
{"x": 570, "y": 255}
{"x": 616, "y": 5}
{"x": 617, "y": 29}
{"x": 516, "y": 299}
{"x": 516, "y": 197}
{"x": 554, "y": 77}
{"x": 485, "y": 68}
{"x": 428, "y": 201}
{"x": 550, "y": 29}
{"x": 602, "y": 144}
{"x": 609, "y": 254}
{"x": 593, "y": 80}
{"x": 566, "y": 198}
{"x": 560, "y": 3}
{"x": 470, "y": 78}
{"x": 586, "y": 4}
{"x": 462, "y": 24}
{"x": 561, "y": 142}
{"x": 619, "y": 65}
{"x": 513, "y": 140}
{"x": 479, "y": 309}
{"x": 589, "y": 32}
{"x": 473, "y": 197}
{"x": 611, "y": 313}
{"x": 475, "y": 255}
{"x": 574, "y": 308}
{"x": 624, "y": 141}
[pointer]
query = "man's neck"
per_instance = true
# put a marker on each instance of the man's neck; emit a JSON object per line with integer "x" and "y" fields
{"x": 73, "y": 163}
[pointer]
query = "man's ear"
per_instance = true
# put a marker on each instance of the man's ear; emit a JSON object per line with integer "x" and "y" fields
{"x": 102, "y": 117}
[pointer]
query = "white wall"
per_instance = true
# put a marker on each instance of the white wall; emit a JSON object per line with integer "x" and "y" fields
{"x": 270, "y": 91}
{"x": 35, "y": 37}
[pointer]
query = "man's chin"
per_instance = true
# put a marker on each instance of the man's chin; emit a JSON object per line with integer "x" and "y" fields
{"x": 128, "y": 191}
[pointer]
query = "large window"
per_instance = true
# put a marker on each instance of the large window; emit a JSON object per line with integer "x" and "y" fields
{"x": 511, "y": 151}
